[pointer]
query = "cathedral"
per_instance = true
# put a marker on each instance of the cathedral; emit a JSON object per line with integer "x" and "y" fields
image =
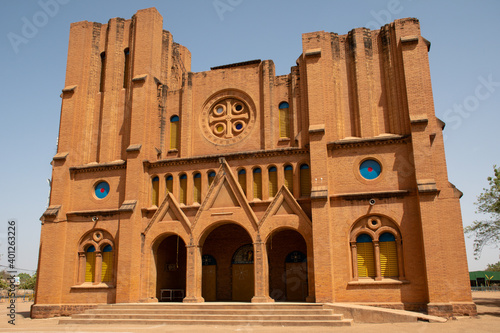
{"x": 325, "y": 185}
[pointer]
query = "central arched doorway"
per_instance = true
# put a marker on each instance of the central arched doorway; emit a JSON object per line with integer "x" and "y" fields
{"x": 170, "y": 258}
{"x": 228, "y": 250}
{"x": 288, "y": 274}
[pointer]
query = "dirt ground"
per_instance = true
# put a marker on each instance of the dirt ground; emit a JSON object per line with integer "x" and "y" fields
{"x": 488, "y": 320}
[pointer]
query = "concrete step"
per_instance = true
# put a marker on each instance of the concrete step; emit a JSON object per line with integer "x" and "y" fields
{"x": 261, "y": 317}
{"x": 204, "y": 306}
{"x": 208, "y": 311}
{"x": 243, "y": 322}
{"x": 236, "y": 314}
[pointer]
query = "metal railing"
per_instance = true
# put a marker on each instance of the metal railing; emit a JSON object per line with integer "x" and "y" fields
{"x": 486, "y": 288}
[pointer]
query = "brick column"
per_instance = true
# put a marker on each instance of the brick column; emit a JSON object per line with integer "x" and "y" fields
{"x": 261, "y": 273}
{"x": 193, "y": 275}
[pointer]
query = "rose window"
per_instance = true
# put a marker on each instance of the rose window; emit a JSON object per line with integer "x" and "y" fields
{"x": 228, "y": 118}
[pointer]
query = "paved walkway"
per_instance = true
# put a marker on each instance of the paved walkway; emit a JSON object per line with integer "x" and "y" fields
{"x": 488, "y": 320}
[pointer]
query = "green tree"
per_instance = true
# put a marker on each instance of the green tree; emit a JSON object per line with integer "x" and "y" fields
{"x": 487, "y": 232}
{"x": 3, "y": 279}
{"x": 29, "y": 282}
{"x": 23, "y": 277}
{"x": 493, "y": 267}
{"x": 3, "y": 284}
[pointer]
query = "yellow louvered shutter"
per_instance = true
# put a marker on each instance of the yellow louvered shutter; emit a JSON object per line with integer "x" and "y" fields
{"x": 305, "y": 181}
{"x": 366, "y": 262}
{"x": 273, "y": 181}
{"x": 242, "y": 179}
{"x": 257, "y": 184}
{"x": 388, "y": 259}
{"x": 174, "y": 132}
{"x": 197, "y": 188}
{"x": 170, "y": 184}
{"x": 183, "y": 189}
{"x": 107, "y": 267}
{"x": 284, "y": 120}
{"x": 289, "y": 178}
{"x": 211, "y": 177}
{"x": 90, "y": 267}
{"x": 156, "y": 190}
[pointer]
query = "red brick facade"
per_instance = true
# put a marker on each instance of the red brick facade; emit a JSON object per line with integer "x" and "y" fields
{"x": 237, "y": 184}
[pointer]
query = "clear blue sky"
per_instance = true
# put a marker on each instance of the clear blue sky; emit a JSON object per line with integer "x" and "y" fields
{"x": 463, "y": 60}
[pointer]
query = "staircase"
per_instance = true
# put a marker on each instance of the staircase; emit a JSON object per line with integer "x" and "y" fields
{"x": 235, "y": 314}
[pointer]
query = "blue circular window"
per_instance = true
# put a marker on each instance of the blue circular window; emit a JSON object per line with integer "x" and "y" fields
{"x": 101, "y": 190}
{"x": 370, "y": 169}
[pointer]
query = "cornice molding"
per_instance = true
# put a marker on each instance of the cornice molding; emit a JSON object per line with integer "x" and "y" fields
{"x": 93, "y": 167}
{"x": 229, "y": 156}
{"x": 371, "y": 195}
{"x": 374, "y": 141}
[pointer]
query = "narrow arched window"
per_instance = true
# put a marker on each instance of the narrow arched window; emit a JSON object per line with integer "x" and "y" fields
{"x": 257, "y": 183}
{"x": 90, "y": 264}
{"x": 103, "y": 71}
{"x": 305, "y": 180}
{"x": 273, "y": 181}
{"x": 366, "y": 261}
{"x": 183, "y": 189}
{"x": 284, "y": 120}
{"x": 170, "y": 183}
{"x": 242, "y": 179}
{"x": 197, "y": 188}
{"x": 107, "y": 264}
{"x": 156, "y": 189}
{"x": 211, "y": 177}
{"x": 126, "y": 69}
{"x": 174, "y": 132}
{"x": 289, "y": 177}
{"x": 388, "y": 255}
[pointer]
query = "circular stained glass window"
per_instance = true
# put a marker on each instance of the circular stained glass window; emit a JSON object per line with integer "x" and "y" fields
{"x": 101, "y": 190}
{"x": 370, "y": 169}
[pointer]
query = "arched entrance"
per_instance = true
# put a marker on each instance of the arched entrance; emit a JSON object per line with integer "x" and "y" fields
{"x": 170, "y": 258}
{"x": 286, "y": 251}
{"x": 234, "y": 279}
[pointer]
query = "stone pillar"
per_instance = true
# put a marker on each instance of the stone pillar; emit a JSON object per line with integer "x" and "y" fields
{"x": 399, "y": 252}
{"x": 354, "y": 254}
{"x": 98, "y": 267}
{"x": 193, "y": 275}
{"x": 82, "y": 262}
{"x": 261, "y": 273}
{"x": 376, "y": 250}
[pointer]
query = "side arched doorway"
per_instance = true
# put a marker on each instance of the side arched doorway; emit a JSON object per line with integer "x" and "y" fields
{"x": 242, "y": 269}
{"x": 170, "y": 259}
{"x": 233, "y": 280}
{"x": 286, "y": 251}
{"x": 209, "y": 281}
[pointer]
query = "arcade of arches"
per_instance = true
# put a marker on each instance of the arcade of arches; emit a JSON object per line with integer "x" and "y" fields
{"x": 228, "y": 265}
